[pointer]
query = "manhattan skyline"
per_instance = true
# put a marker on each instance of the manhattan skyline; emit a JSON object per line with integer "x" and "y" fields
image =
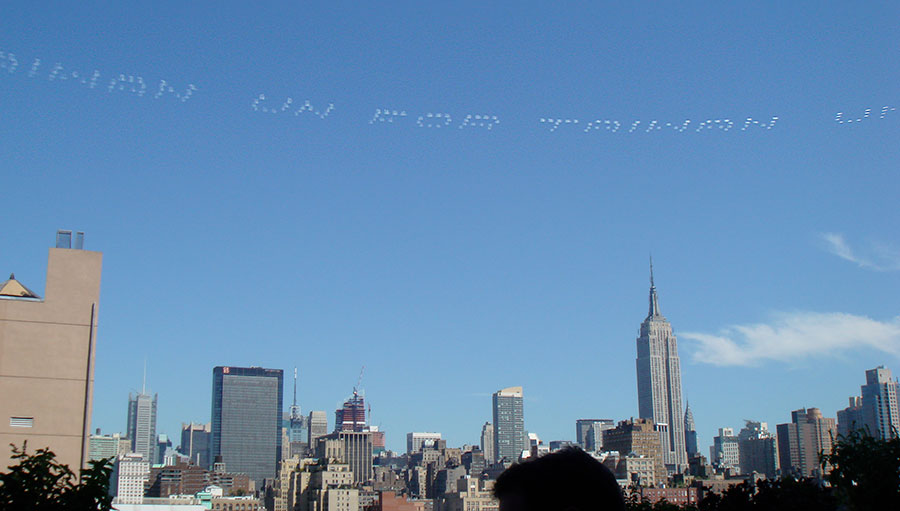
{"x": 513, "y": 256}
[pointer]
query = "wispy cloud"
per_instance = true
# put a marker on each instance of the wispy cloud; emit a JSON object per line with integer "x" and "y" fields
{"x": 795, "y": 336}
{"x": 876, "y": 256}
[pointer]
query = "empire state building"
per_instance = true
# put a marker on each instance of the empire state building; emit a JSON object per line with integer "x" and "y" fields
{"x": 659, "y": 382}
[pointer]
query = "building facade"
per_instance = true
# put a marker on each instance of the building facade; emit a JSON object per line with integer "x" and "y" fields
{"x": 509, "y": 424}
{"x": 246, "y": 420}
{"x": 47, "y": 348}
{"x": 659, "y": 382}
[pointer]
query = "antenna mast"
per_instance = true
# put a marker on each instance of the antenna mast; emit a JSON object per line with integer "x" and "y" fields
{"x": 295, "y": 409}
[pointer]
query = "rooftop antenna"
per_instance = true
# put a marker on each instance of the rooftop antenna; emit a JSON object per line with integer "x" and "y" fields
{"x": 651, "y": 271}
{"x": 295, "y": 409}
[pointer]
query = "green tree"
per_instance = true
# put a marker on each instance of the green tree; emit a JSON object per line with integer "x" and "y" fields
{"x": 38, "y": 482}
{"x": 865, "y": 471}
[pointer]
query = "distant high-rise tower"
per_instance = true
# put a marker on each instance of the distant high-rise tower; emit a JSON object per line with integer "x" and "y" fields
{"x": 297, "y": 426}
{"x": 318, "y": 427}
{"x": 880, "y": 410}
{"x": 352, "y": 415}
{"x": 851, "y": 418}
{"x": 589, "y": 432}
{"x": 509, "y": 424}
{"x": 659, "y": 382}
{"x": 800, "y": 442}
{"x": 487, "y": 443}
{"x": 195, "y": 443}
{"x": 246, "y": 420}
{"x": 758, "y": 449}
{"x": 142, "y": 424}
{"x": 690, "y": 432}
{"x": 725, "y": 451}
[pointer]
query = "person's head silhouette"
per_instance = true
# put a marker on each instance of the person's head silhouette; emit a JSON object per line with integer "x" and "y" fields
{"x": 565, "y": 480}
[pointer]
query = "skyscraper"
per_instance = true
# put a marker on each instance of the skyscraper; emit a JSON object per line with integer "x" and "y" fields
{"x": 509, "y": 424}
{"x": 802, "y": 440}
{"x": 47, "y": 348}
{"x": 851, "y": 418}
{"x": 297, "y": 426}
{"x": 724, "y": 453}
{"x": 589, "y": 432}
{"x": 246, "y": 420}
{"x": 142, "y": 424}
{"x": 659, "y": 382}
{"x": 318, "y": 427}
{"x": 487, "y": 443}
{"x": 195, "y": 443}
{"x": 758, "y": 451}
{"x": 880, "y": 411}
{"x": 690, "y": 432}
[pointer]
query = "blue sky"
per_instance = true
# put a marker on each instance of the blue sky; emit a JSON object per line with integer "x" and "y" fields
{"x": 453, "y": 262}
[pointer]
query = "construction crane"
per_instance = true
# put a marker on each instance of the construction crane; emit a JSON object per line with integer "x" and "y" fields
{"x": 358, "y": 381}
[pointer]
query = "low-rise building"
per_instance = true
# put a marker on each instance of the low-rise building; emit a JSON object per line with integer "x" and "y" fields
{"x": 677, "y": 496}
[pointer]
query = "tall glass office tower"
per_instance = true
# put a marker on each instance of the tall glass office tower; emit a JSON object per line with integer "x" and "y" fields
{"x": 659, "y": 382}
{"x": 246, "y": 420}
{"x": 141, "y": 426}
{"x": 509, "y": 424}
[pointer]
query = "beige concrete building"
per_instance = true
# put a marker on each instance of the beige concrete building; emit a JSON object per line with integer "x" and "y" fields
{"x": 473, "y": 495}
{"x": 638, "y": 436}
{"x": 323, "y": 486}
{"x": 47, "y": 350}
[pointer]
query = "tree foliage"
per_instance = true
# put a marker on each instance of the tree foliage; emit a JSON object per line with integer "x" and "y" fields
{"x": 38, "y": 482}
{"x": 865, "y": 475}
{"x": 865, "y": 471}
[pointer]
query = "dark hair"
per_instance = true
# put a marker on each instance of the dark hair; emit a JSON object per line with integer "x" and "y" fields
{"x": 565, "y": 479}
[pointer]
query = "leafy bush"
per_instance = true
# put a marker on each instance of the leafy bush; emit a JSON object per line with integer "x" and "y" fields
{"x": 38, "y": 482}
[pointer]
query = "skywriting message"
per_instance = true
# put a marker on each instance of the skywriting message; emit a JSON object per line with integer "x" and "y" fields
{"x": 137, "y": 85}
{"x": 115, "y": 82}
